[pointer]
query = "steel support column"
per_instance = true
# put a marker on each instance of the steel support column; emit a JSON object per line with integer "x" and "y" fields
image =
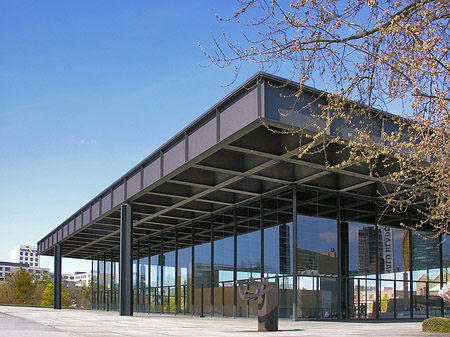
{"x": 377, "y": 267}
{"x": 177, "y": 281}
{"x": 261, "y": 232}
{"x": 411, "y": 284}
{"x": 111, "y": 282}
{"x": 149, "y": 273}
{"x": 339, "y": 253}
{"x": 126, "y": 261}
{"x": 105, "y": 300}
{"x": 92, "y": 287}
{"x": 212, "y": 281}
{"x": 234, "y": 263}
{"x": 193, "y": 269}
{"x": 57, "y": 278}
{"x": 138, "y": 273}
{"x": 294, "y": 253}
{"x": 161, "y": 271}
{"x": 99, "y": 300}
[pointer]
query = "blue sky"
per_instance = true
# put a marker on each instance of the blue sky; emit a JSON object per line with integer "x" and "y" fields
{"x": 87, "y": 90}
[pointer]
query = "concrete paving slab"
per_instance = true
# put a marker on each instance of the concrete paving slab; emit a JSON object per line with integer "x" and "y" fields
{"x": 14, "y": 326}
{"x": 91, "y": 323}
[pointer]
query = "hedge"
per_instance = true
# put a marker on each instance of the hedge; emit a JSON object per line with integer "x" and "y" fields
{"x": 436, "y": 324}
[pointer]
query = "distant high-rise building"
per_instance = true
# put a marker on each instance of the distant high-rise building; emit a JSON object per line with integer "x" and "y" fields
{"x": 25, "y": 254}
{"x": 368, "y": 239}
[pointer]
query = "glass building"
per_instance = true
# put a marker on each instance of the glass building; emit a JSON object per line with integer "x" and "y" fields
{"x": 227, "y": 199}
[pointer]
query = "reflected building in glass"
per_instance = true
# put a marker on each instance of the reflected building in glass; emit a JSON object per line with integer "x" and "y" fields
{"x": 227, "y": 199}
{"x": 370, "y": 242}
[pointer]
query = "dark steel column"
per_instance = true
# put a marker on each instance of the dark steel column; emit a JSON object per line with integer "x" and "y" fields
{"x": 138, "y": 275}
{"x": 211, "y": 311}
{"x": 177, "y": 283}
{"x": 57, "y": 277}
{"x": 111, "y": 281}
{"x": 105, "y": 301}
{"x": 98, "y": 283}
{"x": 294, "y": 253}
{"x": 339, "y": 254}
{"x": 138, "y": 278}
{"x": 343, "y": 258}
{"x": 193, "y": 269}
{"x": 261, "y": 230}
{"x": 126, "y": 261}
{"x": 149, "y": 273}
{"x": 161, "y": 266}
{"x": 411, "y": 285}
{"x": 92, "y": 283}
{"x": 377, "y": 266}
{"x": 234, "y": 263}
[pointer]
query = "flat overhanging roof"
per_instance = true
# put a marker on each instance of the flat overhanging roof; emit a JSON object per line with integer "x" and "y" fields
{"x": 225, "y": 157}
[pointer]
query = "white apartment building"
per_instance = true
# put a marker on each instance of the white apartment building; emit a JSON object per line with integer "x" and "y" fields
{"x": 82, "y": 278}
{"x": 25, "y": 254}
{"x": 79, "y": 278}
{"x": 7, "y": 268}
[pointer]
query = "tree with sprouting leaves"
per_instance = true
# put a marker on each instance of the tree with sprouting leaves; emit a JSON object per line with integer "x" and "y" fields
{"x": 47, "y": 295}
{"x": 365, "y": 54}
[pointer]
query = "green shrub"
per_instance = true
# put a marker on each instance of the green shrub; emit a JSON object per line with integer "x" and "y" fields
{"x": 436, "y": 324}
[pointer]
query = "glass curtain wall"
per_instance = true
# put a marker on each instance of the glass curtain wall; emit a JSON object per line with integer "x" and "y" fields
{"x": 350, "y": 263}
{"x": 202, "y": 267}
{"x": 155, "y": 277}
{"x": 167, "y": 266}
{"x": 278, "y": 247}
{"x": 395, "y": 277}
{"x": 248, "y": 253}
{"x": 317, "y": 260}
{"x": 185, "y": 270}
{"x": 425, "y": 250}
{"x": 223, "y": 264}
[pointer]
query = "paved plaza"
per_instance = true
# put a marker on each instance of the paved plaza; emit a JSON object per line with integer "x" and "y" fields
{"x": 37, "y": 322}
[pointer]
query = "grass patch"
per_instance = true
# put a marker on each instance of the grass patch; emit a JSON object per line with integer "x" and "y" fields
{"x": 436, "y": 324}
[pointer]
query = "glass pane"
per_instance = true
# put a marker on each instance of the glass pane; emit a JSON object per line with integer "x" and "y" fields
{"x": 223, "y": 263}
{"x": 278, "y": 242}
{"x": 387, "y": 305}
{"x": 316, "y": 297}
{"x": 202, "y": 267}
